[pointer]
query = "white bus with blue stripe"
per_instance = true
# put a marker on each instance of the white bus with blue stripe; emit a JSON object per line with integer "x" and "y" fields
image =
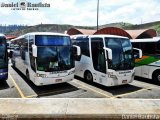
{"x": 44, "y": 57}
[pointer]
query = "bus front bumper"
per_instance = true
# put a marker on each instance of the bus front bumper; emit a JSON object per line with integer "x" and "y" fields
{"x": 39, "y": 81}
{"x": 120, "y": 79}
{"x": 3, "y": 74}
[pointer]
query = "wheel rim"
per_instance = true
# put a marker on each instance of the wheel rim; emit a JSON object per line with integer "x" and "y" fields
{"x": 89, "y": 76}
{"x": 158, "y": 77}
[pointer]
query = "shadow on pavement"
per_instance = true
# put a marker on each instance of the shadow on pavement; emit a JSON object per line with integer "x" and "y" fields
{"x": 48, "y": 90}
{"x": 115, "y": 90}
{"x": 150, "y": 81}
{"x": 3, "y": 85}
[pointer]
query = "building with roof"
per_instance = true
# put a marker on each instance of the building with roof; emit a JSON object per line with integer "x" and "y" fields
{"x": 131, "y": 34}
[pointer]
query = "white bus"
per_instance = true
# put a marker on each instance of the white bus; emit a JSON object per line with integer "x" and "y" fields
{"x": 105, "y": 59}
{"x": 45, "y": 58}
{"x": 149, "y": 65}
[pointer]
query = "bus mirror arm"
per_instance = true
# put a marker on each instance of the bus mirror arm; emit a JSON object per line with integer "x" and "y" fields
{"x": 139, "y": 51}
{"x": 34, "y": 50}
{"x": 108, "y": 53}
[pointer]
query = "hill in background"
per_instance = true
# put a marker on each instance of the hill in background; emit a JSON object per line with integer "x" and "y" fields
{"x": 62, "y": 28}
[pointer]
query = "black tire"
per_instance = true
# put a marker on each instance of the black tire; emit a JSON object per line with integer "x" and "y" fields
{"x": 27, "y": 75}
{"x": 3, "y": 82}
{"x": 88, "y": 76}
{"x": 156, "y": 77}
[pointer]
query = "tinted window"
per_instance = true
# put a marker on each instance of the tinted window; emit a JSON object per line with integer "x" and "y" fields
{"x": 122, "y": 58}
{"x": 54, "y": 58}
{"x": 146, "y": 47}
{"x": 24, "y": 47}
{"x": 46, "y": 40}
{"x": 98, "y": 55}
{"x": 84, "y": 45}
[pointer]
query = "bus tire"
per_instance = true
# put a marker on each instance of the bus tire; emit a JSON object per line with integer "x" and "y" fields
{"x": 88, "y": 76}
{"x": 27, "y": 75}
{"x": 156, "y": 76}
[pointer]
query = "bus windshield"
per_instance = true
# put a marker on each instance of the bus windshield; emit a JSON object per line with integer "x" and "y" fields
{"x": 121, "y": 53}
{"x": 3, "y": 53}
{"x": 54, "y": 53}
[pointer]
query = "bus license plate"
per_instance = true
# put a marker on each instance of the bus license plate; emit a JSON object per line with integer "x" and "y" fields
{"x": 124, "y": 81}
{"x": 58, "y": 80}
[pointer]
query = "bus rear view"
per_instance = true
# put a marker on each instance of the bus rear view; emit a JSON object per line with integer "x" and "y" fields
{"x": 3, "y": 58}
{"x": 106, "y": 59}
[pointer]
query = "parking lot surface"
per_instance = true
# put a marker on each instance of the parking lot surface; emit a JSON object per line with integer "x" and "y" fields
{"x": 17, "y": 86}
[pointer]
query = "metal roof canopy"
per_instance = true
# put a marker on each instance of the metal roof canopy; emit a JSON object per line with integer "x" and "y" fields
{"x": 131, "y": 34}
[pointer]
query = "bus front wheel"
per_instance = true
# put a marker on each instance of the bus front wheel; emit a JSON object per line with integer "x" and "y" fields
{"x": 27, "y": 75}
{"x": 88, "y": 76}
{"x": 156, "y": 77}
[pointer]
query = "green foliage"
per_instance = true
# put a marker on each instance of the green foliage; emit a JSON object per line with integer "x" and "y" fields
{"x": 157, "y": 28}
{"x": 62, "y": 28}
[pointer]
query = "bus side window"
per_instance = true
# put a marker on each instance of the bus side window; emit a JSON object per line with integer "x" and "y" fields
{"x": 158, "y": 47}
{"x": 24, "y": 48}
{"x": 148, "y": 47}
{"x": 84, "y": 45}
{"x": 135, "y": 45}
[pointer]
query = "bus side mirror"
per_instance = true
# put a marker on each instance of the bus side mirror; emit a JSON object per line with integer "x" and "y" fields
{"x": 76, "y": 52}
{"x": 137, "y": 53}
{"x": 10, "y": 53}
{"x": 34, "y": 50}
{"x": 108, "y": 53}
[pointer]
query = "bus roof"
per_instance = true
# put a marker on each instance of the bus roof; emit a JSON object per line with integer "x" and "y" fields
{"x": 46, "y": 33}
{"x": 154, "y": 39}
{"x": 40, "y": 33}
{"x": 102, "y": 35}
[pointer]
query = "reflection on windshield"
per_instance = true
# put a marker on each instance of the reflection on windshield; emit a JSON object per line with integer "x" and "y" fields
{"x": 121, "y": 52}
{"x": 56, "y": 58}
{"x": 3, "y": 57}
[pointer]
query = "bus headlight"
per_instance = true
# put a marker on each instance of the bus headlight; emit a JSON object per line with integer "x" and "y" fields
{"x": 4, "y": 73}
{"x": 110, "y": 75}
{"x": 71, "y": 72}
{"x": 41, "y": 75}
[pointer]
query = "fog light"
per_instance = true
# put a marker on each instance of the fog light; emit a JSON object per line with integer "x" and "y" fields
{"x": 110, "y": 75}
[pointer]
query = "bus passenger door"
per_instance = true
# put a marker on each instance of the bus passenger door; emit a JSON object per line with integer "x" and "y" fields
{"x": 98, "y": 58}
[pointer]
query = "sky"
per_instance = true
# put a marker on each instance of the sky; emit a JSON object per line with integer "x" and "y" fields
{"x": 83, "y": 12}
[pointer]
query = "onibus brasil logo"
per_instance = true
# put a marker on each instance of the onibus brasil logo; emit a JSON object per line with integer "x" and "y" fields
{"x": 24, "y": 5}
